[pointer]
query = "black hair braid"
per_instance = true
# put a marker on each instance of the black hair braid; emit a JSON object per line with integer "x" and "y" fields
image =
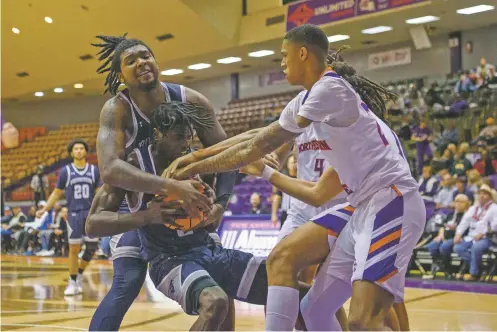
{"x": 110, "y": 54}
{"x": 185, "y": 115}
{"x": 374, "y": 95}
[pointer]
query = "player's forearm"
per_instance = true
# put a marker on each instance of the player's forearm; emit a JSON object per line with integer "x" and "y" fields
{"x": 224, "y": 145}
{"x": 275, "y": 206}
{"x": 300, "y": 189}
{"x": 107, "y": 223}
{"x": 121, "y": 174}
{"x": 54, "y": 198}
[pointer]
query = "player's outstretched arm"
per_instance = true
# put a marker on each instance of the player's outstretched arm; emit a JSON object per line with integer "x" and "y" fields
{"x": 266, "y": 141}
{"x": 312, "y": 193}
{"x": 116, "y": 172}
{"x": 209, "y": 151}
{"x": 104, "y": 219}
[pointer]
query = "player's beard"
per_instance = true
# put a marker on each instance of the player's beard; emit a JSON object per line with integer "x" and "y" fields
{"x": 147, "y": 87}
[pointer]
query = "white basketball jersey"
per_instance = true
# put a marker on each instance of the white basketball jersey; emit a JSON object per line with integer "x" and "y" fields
{"x": 311, "y": 163}
{"x": 365, "y": 152}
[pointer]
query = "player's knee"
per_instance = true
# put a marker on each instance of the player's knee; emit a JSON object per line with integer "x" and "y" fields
{"x": 280, "y": 260}
{"x": 91, "y": 248}
{"x": 214, "y": 303}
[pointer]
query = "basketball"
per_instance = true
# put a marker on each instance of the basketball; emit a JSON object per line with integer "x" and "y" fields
{"x": 187, "y": 223}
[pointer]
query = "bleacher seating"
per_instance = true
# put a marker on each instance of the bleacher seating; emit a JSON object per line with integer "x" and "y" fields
{"x": 41, "y": 148}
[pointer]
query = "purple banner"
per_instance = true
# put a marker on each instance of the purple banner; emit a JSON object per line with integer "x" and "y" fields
{"x": 254, "y": 234}
{"x": 321, "y": 12}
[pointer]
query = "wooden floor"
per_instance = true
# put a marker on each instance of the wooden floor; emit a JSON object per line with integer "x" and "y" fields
{"x": 32, "y": 298}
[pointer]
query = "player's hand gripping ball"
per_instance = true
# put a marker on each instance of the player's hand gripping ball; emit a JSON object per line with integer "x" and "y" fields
{"x": 185, "y": 224}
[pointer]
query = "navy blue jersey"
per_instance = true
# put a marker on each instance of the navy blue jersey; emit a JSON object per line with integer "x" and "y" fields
{"x": 155, "y": 239}
{"x": 79, "y": 185}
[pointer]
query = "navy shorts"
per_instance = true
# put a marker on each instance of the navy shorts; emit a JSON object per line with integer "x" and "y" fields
{"x": 76, "y": 228}
{"x": 241, "y": 275}
{"x": 125, "y": 245}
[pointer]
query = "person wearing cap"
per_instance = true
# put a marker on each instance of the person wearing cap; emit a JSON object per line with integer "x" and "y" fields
{"x": 490, "y": 129}
{"x": 470, "y": 246}
{"x": 441, "y": 246}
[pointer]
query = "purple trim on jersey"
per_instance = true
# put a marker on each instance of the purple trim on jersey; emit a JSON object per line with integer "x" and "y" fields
{"x": 332, "y": 74}
{"x": 392, "y": 211}
{"x": 331, "y": 221}
{"x": 380, "y": 269}
{"x": 364, "y": 106}
{"x": 347, "y": 212}
{"x": 386, "y": 245}
{"x": 129, "y": 239}
{"x": 401, "y": 152}
{"x": 305, "y": 97}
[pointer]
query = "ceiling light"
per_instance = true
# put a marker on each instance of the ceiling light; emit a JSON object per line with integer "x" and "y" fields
{"x": 48, "y": 19}
{"x": 16, "y": 31}
{"x": 336, "y": 38}
{"x": 78, "y": 86}
{"x": 475, "y": 9}
{"x": 375, "y": 30}
{"x": 58, "y": 90}
{"x": 199, "y": 66}
{"x": 39, "y": 94}
{"x": 229, "y": 59}
{"x": 261, "y": 53}
{"x": 171, "y": 72}
{"x": 422, "y": 19}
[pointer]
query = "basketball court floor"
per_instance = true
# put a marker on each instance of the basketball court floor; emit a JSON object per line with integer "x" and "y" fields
{"x": 32, "y": 298}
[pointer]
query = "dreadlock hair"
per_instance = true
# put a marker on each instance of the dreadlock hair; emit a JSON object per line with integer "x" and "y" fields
{"x": 110, "y": 54}
{"x": 185, "y": 115}
{"x": 373, "y": 94}
{"x": 310, "y": 36}
{"x": 77, "y": 141}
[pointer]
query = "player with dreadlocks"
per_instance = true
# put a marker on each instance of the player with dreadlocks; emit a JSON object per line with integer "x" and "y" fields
{"x": 125, "y": 125}
{"x": 189, "y": 267}
{"x": 372, "y": 252}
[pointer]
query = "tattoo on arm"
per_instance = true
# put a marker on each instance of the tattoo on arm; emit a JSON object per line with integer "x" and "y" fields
{"x": 266, "y": 141}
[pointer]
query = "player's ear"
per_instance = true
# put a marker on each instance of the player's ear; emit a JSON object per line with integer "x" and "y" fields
{"x": 303, "y": 53}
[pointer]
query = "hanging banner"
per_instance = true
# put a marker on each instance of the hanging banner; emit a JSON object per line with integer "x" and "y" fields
{"x": 321, "y": 12}
{"x": 392, "y": 58}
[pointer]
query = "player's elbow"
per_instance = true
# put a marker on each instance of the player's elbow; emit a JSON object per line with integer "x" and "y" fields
{"x": 91, "y": 226}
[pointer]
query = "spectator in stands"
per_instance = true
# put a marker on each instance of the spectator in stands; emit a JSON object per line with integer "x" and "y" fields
{"x": 433, "y": 96}
{"x": 490, "y": 130}
{"x": 471, "y": 247}
{"x": 423, "y": 136}
{"x": 7, "y": 214}
{"x": 485, "y": 165}
{"x": 467, "y": 83}
{"x": 474, "y": 181}
{"x": 31, "y": 214}
{"x": 444, "y": 196}
{"x": 428, "y": 184}
{"x": 39, "y": 185}
{"x": 450, "y": 135}
{"x": 485, "y": 71}
{"x": 461, "y": 189}
{"x": 47, "y": 236}
{"x": 440, "y": 247}
{"x": 460, "y": 166}
{"x": 13, "y": 229}
{"x": 255, "y": 201}
{"x": 32, "y": 230}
